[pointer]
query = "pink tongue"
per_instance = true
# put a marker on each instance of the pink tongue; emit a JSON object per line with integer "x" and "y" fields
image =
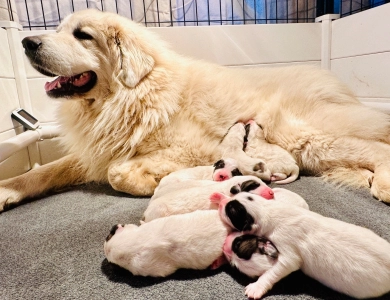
{"x": 52, "y": 85}
{"x": 78, "y": 80}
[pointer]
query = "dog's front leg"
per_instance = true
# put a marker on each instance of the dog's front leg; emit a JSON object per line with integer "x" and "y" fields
{"x": 266, "y": 281}
{"x": 63, "y": 172}
{"x": 140, "y": 175}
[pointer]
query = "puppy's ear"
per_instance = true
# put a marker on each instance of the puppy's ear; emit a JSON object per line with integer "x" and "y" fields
{"x": 267, "y": 247}
{"x": 135, "y": 64}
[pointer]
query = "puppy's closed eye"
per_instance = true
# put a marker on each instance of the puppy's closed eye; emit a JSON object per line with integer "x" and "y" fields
{"x": 236, "y": 172}
{"x": 235, "y": 189}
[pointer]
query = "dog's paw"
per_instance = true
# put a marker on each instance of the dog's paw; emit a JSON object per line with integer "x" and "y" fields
{"x": 9, "y": 198}
{"x": 253, "y": 291}
{"x": 380, "y": 187}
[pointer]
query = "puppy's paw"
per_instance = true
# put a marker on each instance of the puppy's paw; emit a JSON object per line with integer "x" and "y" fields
{"x": 253, "y": 291}
{"x": 9, "y": 198}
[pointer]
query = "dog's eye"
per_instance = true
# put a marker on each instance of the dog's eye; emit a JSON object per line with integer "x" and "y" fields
{"x": 81, "y": 35}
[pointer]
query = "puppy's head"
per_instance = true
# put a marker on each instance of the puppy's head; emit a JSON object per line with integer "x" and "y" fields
{"x": 239, "y": 211}
{"x": 92, "y": 52}
{"x": 245, "y": 245}
{"x": 250, "y": 254}
{"x": 115, "y": 235}
{"x": 225, "y": 169}
{"x": 253, "y": 186}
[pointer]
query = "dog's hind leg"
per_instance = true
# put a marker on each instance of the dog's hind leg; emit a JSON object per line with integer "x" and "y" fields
{"x": 58, "y": 174}
{"x": 356, "y": 177}
{"x": 327, "y": 155}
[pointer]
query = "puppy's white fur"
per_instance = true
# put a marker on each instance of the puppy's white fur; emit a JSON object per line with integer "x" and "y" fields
{"x": 347, "y": 258}
{"x": 191, "y": 177}
{"x": 160, "y": 247}
{"x": 283, "y": 167}
{"x": 194, "y": 198}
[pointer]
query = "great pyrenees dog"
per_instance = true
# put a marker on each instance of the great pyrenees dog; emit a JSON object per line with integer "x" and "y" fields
{"x": 134, "y": 111}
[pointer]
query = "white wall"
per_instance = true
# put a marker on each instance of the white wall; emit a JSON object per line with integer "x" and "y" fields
{"x": 9, "y": 101}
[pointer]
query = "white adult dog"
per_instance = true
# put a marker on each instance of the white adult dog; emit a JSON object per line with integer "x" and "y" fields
{"x": 137, "y": 111}
{"x": 347, "y": 258}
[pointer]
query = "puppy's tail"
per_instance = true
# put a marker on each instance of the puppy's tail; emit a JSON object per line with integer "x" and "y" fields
{"x": 293, "y": 176}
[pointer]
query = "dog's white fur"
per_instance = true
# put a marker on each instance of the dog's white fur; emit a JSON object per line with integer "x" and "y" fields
{"x": 283, "y": 167}
{"x": 154, "y": 111}
{"x": 345, "y": 257}
{"x": 160, "y": 247}
{"x": 195, "y": 197}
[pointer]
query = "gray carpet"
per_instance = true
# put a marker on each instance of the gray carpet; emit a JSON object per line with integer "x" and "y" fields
{"x": 53, "y": 248}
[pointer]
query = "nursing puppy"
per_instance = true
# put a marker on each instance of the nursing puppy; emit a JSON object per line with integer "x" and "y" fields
{"x": 283, "y": 167}
{"x": 186, "y": 200}
{"x": 157, "y": 248}
{"x": 223, "y": 169}
{"x": 347, "y": 258}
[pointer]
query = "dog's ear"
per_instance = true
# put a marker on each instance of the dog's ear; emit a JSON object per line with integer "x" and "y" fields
{"x": 135, "y": 64}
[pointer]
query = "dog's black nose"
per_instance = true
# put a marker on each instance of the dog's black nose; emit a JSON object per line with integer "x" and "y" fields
{"x": 31, "y": 43}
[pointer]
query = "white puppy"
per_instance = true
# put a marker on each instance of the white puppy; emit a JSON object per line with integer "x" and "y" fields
{"x": 158, "y": 248}
{"x": 278, "y": 194}
{"x": 232, "y": 146}
{"x": 223, "y": 169}
{"x": 347, "y": 258}
{"x": 185, "y": 200}
{"x": 283, "y": 167}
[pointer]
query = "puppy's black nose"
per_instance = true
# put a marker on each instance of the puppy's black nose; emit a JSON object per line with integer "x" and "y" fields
{"x": 31, "y": 43}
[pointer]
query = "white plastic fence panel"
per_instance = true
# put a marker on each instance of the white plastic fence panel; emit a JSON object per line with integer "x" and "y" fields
{"x": 360, "y": 55}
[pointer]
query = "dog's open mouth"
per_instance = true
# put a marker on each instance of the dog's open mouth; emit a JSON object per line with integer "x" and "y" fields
{"x": 64, "y": 86}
